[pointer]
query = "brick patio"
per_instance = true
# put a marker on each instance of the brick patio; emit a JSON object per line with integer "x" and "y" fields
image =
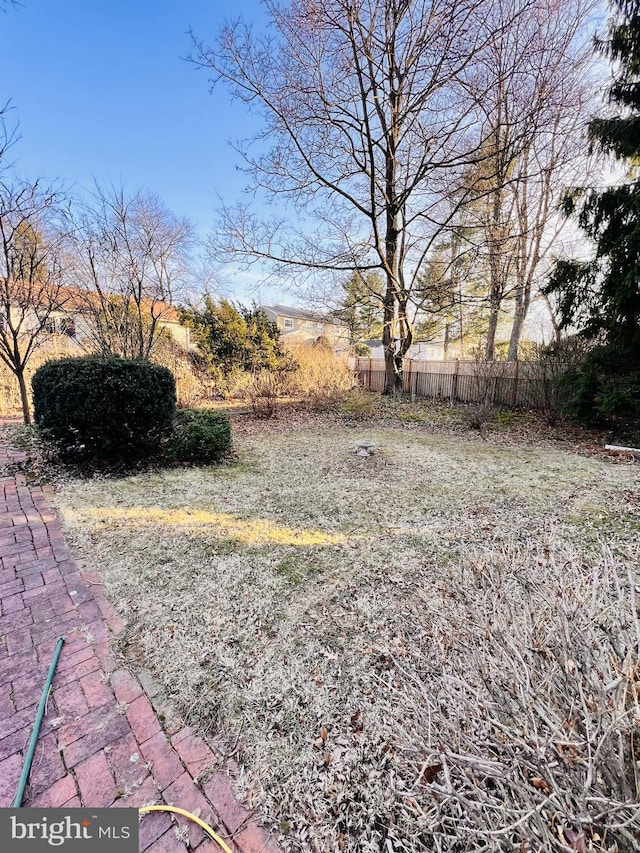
{"x": 102, "y": 742}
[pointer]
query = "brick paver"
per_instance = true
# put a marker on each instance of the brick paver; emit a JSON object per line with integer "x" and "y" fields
{"x": 105, "y": 739}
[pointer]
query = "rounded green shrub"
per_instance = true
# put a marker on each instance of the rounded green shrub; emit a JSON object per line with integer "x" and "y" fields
{"x": 104, "y": 408}
{"x": 199, "y": 436}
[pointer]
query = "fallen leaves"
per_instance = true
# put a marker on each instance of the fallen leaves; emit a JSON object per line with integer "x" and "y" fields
{"x": 574, "y": 839}
{"x": 430, "y": 773}
{"x": 357, "y": 723}
{"x": 540, "y": 783}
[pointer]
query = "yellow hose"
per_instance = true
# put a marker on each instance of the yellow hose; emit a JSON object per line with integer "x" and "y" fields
{"x": 201, "y": 823}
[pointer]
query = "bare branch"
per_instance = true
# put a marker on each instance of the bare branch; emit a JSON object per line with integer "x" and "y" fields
{"x": 130, "y": 262}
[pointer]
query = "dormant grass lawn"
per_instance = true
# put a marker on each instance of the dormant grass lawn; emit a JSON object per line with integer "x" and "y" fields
{"x": 435, "y": 648}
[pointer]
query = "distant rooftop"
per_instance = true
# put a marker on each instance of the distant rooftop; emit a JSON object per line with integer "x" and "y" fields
{"x": 302, "y": 314}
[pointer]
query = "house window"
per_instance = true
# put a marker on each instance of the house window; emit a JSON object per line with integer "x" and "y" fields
{"x": 287, "y": 323}
{"x": 319, "y": 327}
{"x": 67, "y": 326}
{"x": 60, "y": 326}
{"x": 310, "y": 326}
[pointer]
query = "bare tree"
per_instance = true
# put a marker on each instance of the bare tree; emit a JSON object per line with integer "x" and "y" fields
{"x": 534, "y": 114}
{"x": 371, "y": 117}
{"x": 131, "y": 260}
{"x": 30, "y": 273}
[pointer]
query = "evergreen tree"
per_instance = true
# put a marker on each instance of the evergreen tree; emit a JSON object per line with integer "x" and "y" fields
{"x": 601, "y": 297}
{"x": 451, "y": 295}
{"x": 362, "y": 306}
{"x": 234, "y": 338}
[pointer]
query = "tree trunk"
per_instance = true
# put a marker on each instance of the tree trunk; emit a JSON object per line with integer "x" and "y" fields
{"x": 388, "y": 341}
{"x": 24, "y": 397}
{"x": 398, "y": 386}
{"x": 389, "y": 373}
{"x": 516, "y": 330}
{"x": 462, "y": 322}
{"x": 392, "y": 253}
{"x": 393, "y": 360}
{"x": 496, "y": 293}
{"x": 490, "y": 348}
{"x": 405, "y": 333}
{"x": 557, "y": 331}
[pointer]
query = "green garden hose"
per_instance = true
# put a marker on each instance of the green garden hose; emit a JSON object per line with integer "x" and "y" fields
{"x": 26, "y": 767}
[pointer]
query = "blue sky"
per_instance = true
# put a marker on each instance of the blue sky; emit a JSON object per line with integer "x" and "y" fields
{"x": 100, "y": 89}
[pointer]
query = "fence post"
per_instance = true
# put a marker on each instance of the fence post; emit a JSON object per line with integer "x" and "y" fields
{"x": 514, "y": 398}
{"x": 409, "y": 388}
{"x": 454, "y": 386}
{"x": 369, "y": 375}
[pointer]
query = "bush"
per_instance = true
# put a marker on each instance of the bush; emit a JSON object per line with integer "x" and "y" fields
{"x": 322, "y": 378}
{"x": 527, "y": 712}
{"x": 264, "y": 391}
{"x": 199, "y": 436}
{"x": 605, "y": 386}
{"x": 362, "y": 350}
{"x": 233, "y": 337}
{"x": 360, "y": 404}
{"x": 107, "y": 409}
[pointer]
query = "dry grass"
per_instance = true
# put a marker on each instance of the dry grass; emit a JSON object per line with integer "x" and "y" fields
{"x": 436, "y": 648}
{"x": 321, "y": 377}
{"x": 309, "y": 377}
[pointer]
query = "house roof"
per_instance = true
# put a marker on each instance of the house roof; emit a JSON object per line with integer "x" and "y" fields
{"x": 76, "y": 300}
{"x": 302, "y": 314}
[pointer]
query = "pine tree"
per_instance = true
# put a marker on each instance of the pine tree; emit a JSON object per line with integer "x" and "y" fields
{"x": 601, "y": 297}
{"x": 362, "y": 306}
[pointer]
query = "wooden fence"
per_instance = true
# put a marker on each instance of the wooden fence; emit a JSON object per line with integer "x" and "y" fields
{"x": 517, "y": 383}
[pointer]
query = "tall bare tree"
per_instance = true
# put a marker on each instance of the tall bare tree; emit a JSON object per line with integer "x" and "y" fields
{"x": 131, "y": 261}
{"x": 534, "y": 112}
{"x": 30, "y": 273}
{"x": 371, "y": 115}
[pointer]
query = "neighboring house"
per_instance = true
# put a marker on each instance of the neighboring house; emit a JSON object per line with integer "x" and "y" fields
{"x": 169, "y": 320}
{"x": 305, "y": 327}
{"x": 74, "y": 317}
